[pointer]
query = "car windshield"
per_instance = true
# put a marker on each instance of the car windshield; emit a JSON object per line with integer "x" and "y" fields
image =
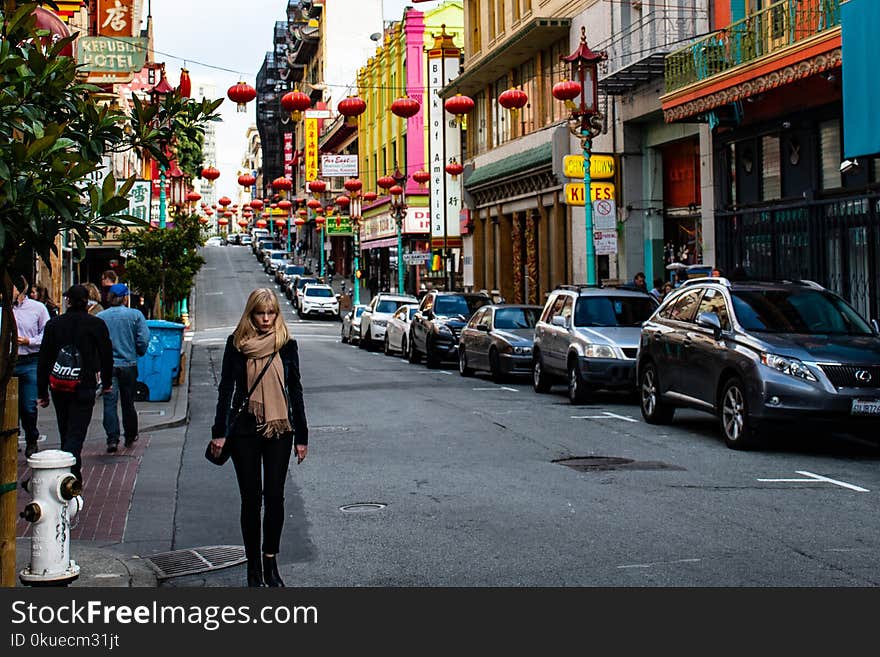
{"x": 305, "y": 281}
{"x": 388, "y": 306}
{"x": 319, "y": 292}
{"x": 516, "y": 318}
{"x": 797, "y": 311}
{"x": 613, "y": 311}
{"x": 413, "y": 311}
{"x": 451, "y": 305}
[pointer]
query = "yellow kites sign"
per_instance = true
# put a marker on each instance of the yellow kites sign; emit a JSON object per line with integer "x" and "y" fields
{"x": 601, "y": 167}
{"x": 574, "y": 192}
{"x": 311, "y": 149}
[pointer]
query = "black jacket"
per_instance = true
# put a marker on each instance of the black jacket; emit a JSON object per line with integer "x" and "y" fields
{"x": 92, "y": 339}
{"x": 233, "y": 388}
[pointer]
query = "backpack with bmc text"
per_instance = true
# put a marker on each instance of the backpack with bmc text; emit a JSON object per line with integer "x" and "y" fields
{"x": 66, "y": 375}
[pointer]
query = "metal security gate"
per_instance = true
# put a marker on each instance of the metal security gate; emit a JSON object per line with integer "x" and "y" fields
{"x": 833, "y": 242}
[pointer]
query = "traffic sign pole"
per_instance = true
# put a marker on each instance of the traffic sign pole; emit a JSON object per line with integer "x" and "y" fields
{"x": 588, "y": 209}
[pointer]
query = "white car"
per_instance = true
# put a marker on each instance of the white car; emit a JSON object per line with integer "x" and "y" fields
{"x": 246, "y": 240}
{"x": 397, "y": 329}
{"x": 215, "y": 241}
{"x": 376, "y": 317}
{"x": 351, "y": 324}
{"x": 319, "y": 300}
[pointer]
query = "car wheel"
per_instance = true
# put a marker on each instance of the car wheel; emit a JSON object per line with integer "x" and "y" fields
{"x": 540, "y": 381}
{"x": 431, "y": 359}
{"x": 463, "y": 368}
{"x": 495, "y": 366}
{"x": 386, "y": 346}
{"x": 737, "y": 427}
{"x": 413, "y": 356}
{"x": 342, "y": 334}
{"x": 365, "y": 341}
{"x": 404, "y": 347}
{"x": 654, "y": 409}
{"x": 578, "y": 391}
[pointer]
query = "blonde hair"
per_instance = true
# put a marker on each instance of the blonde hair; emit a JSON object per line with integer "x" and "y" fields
{"x": 94, "y": 293}
{"x": 259, "y": 299}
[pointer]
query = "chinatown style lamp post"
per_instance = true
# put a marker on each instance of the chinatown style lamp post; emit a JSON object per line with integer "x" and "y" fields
{"x": 353, "y": 186}
{"x": 157, "y": 96}
{"x": 398, "y": 207}
{"x": 585, "y": 123}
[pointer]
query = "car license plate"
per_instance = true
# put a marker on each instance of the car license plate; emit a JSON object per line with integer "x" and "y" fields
{"x": 865, "y": 407}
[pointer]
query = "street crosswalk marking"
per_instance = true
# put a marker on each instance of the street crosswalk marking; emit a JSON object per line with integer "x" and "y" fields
{"x": 816, "y": 479}
{"x": 606, "y": 415}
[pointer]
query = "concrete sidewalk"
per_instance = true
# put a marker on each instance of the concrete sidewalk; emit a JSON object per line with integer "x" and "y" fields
{"x": 98, "y": 531}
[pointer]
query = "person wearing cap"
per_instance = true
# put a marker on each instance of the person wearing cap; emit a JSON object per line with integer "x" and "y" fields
{"x": 31, "y": 318}
{"x": 130, "y": 337}
{"x": 89, "y": 335}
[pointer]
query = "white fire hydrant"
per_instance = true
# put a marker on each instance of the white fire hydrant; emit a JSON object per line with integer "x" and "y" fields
{"x": 56, "y": 494}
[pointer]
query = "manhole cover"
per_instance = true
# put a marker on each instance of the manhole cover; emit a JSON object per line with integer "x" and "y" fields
{"x": 195, "y": 560}
{"x": 362, "y": 507}
{"x": 605, "y": 463}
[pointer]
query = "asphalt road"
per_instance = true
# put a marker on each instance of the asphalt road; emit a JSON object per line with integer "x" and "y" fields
{"x": 473, "y": 495}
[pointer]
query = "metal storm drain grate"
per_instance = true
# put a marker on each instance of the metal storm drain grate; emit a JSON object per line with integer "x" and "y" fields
{"x": 362, "y": 507}
{"x": 606, "y": 463}
{"x": 195, "y": 560}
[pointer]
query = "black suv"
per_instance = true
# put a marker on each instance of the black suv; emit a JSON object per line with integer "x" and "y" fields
{"x": 436, "y": 327}
{"x": 753, "y": 353}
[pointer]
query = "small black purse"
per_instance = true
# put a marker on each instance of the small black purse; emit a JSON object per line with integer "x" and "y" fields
{"x": 240, "y": 413}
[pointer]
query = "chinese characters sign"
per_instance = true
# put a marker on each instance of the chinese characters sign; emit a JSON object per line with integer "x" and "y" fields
{"x": 116, "y": 18}
{"x": 288, "y": 155}
{"x": 311, "y": 149}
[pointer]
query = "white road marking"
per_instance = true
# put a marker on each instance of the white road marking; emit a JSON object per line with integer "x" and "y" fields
{"x": 510, "y": 389}
{"x": 606, "y": 415}
{"x": 498, "y": 388}
{"x": 814, "y": 478}
{"x": 659, "y": 563}
{"x": 213, "y": 294}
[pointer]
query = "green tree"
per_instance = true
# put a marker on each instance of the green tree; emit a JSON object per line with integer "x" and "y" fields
{"x": 189, "y": 155}
{"x": 53, "y": 135}
{"x": 165, "y": 262}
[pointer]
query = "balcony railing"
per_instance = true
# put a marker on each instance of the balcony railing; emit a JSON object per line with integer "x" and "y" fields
{"x": 770, "y": 30}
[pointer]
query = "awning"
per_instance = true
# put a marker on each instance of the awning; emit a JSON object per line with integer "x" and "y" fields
{"x": 518, "y": 163}
{"x": 378, "y": 244}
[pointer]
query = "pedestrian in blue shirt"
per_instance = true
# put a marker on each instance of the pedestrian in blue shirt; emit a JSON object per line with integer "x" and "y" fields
{"x": 130, "y": 337}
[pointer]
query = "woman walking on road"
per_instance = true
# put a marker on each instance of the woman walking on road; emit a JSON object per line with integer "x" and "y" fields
{"x": 261, "y": 356}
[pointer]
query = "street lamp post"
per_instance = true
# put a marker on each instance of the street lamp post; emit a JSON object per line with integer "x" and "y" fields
{"x": 585, "y": 123}
{"x": 398, "y": 205}
{"x": 355, "y": 229}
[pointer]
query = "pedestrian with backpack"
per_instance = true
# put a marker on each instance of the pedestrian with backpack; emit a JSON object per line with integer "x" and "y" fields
{"x": 75, "y": 358}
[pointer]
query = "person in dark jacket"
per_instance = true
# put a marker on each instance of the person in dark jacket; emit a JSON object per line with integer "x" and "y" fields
{"x": 91, "y": 338}
{"x": 264, "y": 434}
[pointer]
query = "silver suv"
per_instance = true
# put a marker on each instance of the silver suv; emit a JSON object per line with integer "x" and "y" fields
{"x": 590, "y": 336}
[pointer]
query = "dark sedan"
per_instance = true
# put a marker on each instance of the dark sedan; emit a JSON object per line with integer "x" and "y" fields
{"x": 498, "y": 340}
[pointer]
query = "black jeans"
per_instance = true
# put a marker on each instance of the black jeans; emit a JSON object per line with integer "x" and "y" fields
{"x": 74, "y": 412}
{"x": 249, "y": 452}
{"x": 124, "y": 380}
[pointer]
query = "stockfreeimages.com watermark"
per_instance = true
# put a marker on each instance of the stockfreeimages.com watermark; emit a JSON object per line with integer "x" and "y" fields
{"x": 209, "y": 617}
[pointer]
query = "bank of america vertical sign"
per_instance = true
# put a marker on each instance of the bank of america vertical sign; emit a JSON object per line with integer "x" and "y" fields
{"x": 445, "y": 139}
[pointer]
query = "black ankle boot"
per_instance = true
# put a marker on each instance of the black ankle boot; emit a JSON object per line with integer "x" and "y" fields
{"x": 270, "y": 571}
{"x": 254, "y": 574}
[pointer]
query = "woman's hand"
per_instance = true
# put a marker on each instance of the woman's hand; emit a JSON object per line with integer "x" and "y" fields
{"x": 217, "y": 446}
{"x": 301, "y": 451}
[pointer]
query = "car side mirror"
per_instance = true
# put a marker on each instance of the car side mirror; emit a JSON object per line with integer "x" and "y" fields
{"x": 560, "y": 321}
{"x": 710, "y": 321}
{"x": 482, "y": 327}
{"x": 876, "y": 326}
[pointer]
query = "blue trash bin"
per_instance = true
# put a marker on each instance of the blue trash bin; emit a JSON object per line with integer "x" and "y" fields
{"x": 158, "y": 368}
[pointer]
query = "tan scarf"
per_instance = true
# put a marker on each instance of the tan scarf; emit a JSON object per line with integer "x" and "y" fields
{"x": 268, "y": 402}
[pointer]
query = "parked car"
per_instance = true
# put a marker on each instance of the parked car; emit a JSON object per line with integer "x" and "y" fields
{"x": 275, "y": 259}
{"x": 318, "y": 299}
{"x": 498, "y": 339}
{"x": 436, "y": 326}
{"x": 397, "y": 329}
{"x": 351, "y": 324}
{"x": 301, "y": 282}
{"x": 589, "y": 337}
{"x": 256, "y": 234}
{"x": 234, "y": 238}
{"x": 264, "y": 244}
{"x": 284, "y": 272}
{"x": 376, "y": 317}
{"x": 215, "y": 241}
{"x": 755, "y": 354}
{"x": 246, "y": 240}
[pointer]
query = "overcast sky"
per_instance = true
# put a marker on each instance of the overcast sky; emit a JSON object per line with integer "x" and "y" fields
{"x": 233, "y": 35}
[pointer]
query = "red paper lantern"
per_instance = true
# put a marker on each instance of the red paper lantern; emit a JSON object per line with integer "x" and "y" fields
{"x": 405, "y": 107}
{"x": 353, "y": 185}
{"x": 421, "y": 176}
{"x": 454, "y": 169}
{"x": 242, "y": 223}
{"x": 396, "y": 190}
{"x": 385, "y": 182}
{"x": 261, "y": 223}
{"x": 567, "y": 91}
{"x": 209, "y": 212}
{"x": 222, "y": 222}
{"x": 302, "y": 212}
{"x": 285, "y": 205}
{"x": 281, "y": 223}
{"x": 319, "y": 211}
{"x": 513, "y": 99}
{"x": 227, "y": 214}
{"x": 225, "y": 201}
{"x": 246, "y": 180}
{"x": 299, "y": 221}
{"x": 343, "y": 201}
{"x": 351, "y": 108}
{"x": 192, "y": 197}
{"x": 314, "y": 204}
{"x": 317, "y": 186}
{"x": 295, "y": 102}
{"x": 184, "y": 88}
{"x": 256, "y": 204}
{"x": 273, "y": 205}
{"x": 210, "y": 173}
{"x": 282, "y": 183}
{"x": 241, "y": 94}
{"x": 266, "y": 215}
{"x": 203, "y": 220}
{"x": 320, "y": 221}
{"x": 369, "y": 197}
{"x": 459, "y": 105}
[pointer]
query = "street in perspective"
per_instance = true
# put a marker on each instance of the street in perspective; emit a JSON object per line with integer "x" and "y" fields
{"x": 448, "y": 293}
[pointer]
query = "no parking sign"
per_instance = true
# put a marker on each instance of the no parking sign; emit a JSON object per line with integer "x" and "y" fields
{"x": 604, "y": 214}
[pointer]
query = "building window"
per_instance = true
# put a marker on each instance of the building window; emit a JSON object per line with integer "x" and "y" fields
{"x": 474, "y": 24}
{"x": 500, "y": 116}
{"x": 772, "y": 186}
{"x": 731, "y": 163}
{"x": 500, "y": 29}
{"x": 515, "y": 9}
{"x": 491, "y": 21}
{"x": 528, "y": 82}
{"x": 829, "y": 144}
